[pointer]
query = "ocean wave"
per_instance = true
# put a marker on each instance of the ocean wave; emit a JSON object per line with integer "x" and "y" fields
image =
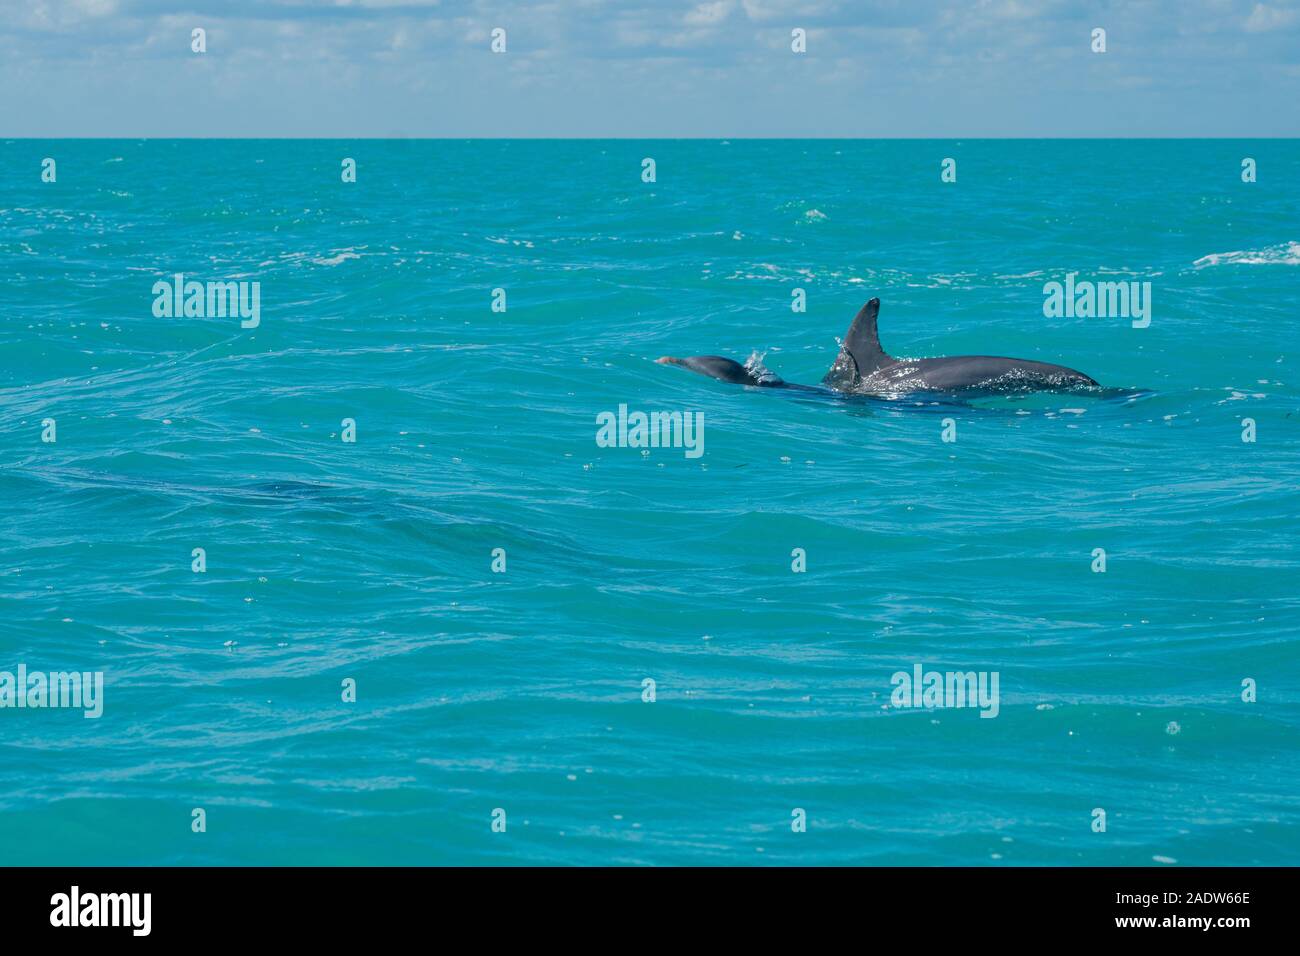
{"x": 335, "y": 260}
{"x": 1283, "y": 254}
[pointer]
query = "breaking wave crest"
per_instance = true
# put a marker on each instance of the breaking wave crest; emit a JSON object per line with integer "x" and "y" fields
{"x": 1283, "y": 254}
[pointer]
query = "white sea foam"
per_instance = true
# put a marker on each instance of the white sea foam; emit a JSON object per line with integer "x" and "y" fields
{"x": 335, "y": 260}
{"x": 1283, "y": 254}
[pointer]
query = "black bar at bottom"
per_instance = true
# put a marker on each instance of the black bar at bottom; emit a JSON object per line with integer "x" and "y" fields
{"x": 336, "y": 905}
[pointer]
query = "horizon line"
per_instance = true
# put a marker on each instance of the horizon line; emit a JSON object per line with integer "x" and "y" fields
{"x": 722, "y": 138}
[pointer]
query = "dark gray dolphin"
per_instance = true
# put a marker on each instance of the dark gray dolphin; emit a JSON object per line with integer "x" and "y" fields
{"x": 864, "y": 368}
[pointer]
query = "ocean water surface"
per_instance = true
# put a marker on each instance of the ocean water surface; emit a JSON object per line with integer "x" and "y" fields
{"x": 524, "y": 691}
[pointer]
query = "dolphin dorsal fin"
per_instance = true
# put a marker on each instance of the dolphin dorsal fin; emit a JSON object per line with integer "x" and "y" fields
{"x": 860, "y": 354}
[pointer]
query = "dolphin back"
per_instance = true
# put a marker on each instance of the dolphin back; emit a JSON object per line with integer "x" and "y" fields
{"x": 860, "y": 354}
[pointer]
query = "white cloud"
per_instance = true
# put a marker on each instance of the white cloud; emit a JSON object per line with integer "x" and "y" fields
{"x": 709, "y": 14}
{"x": 1264, "y": 19}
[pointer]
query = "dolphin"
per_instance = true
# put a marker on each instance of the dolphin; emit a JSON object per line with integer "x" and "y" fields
{"x": 864, "y": 368}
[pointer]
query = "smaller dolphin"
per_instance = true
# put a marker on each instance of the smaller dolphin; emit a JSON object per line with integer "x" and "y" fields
{"x": 863, "y": 368}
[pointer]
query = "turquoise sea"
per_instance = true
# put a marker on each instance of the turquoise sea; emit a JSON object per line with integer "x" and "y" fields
{"x": 523, "y": 691}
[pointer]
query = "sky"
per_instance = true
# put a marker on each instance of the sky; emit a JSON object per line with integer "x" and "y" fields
{"x": 649, "y": 68}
